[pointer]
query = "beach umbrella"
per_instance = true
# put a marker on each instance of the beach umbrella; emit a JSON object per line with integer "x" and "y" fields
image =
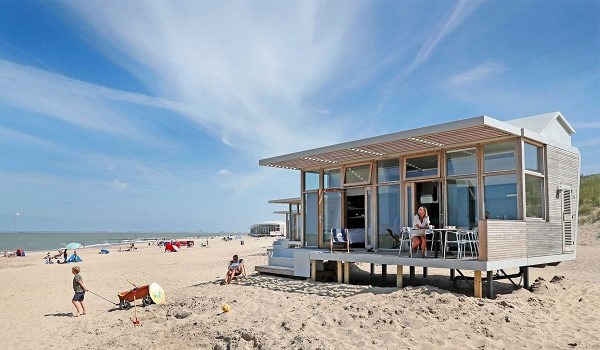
{"x": 157, "y": 294}
{"x": 72, "y": 245}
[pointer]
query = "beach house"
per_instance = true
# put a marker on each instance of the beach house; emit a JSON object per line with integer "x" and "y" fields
{"x": 500, "y": 195}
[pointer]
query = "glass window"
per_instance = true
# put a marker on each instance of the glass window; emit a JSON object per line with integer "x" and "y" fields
{"x": 501, "y": 197}
{"x": 332, "y": 213}
{"x": 534, "y": 196}
{"x": 311, "y": 213}
{"x": 388, "y": 170}
{"x": 533, "y": 158}
{"x": 358, "y": 174}
{"x": 499, "y": 156}
{"x": 461, "y": 162}
{"x": 388, "y": 214}
{"x": 332, "y": 178}
{"x": 311, "y": 180}
{"x": 462, "y": 202}
{"x": 422, "y": 166}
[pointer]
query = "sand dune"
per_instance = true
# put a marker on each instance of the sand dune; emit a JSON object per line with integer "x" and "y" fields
{"x": 562, "y": 310}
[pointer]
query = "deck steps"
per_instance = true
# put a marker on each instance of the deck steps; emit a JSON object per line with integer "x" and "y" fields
{"x": 275, "y": 270}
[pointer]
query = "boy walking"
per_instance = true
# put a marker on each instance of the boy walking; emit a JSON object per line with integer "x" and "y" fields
{"x": 79, "y": 289}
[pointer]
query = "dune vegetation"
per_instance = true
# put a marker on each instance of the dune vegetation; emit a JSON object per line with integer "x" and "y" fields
{"x": 589, "y": 199}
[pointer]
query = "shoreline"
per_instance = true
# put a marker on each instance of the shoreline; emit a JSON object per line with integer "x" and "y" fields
{"x": 117, "y": 241}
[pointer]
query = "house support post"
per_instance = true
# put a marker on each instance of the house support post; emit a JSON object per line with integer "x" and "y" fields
{"x": 490, "y": 285}
{"x": 339, "y": 271}
{"x": 452, "y": 274}
{"x": 412, "y": 275}
{"x": 347, "y": 272}
{"x": 477, "y": 285}
{"x": 424, "y": 272}
{"x": 372, "y": 269}
{"x": 313, "y": 270}
{"x": 399, "y": 273}
{"x": 525, "y": 270}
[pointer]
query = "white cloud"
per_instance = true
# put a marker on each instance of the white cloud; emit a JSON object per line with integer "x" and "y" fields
{"x": 475, "y": 75}
{"x": 244, "y": 72}
{"x": 224, "y": 172}
{"x": 588, "y": 143}
{"x": 586, "y": 125}
{"x": 118, "y": 185}
{"x": 462, "y": 10}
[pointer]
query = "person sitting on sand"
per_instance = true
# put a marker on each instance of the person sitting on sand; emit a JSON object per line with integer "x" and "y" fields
{"x": 236, "y": 267}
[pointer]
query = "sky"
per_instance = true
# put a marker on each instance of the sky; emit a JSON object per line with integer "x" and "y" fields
{"x": 152, "y": 116}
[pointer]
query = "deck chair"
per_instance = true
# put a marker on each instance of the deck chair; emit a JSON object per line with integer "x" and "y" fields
{"x": 400, "y": 241}
{"x": 339, "y": 236}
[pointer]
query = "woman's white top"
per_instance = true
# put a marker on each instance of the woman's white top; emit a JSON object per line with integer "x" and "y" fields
{"x": 419, "y": 227}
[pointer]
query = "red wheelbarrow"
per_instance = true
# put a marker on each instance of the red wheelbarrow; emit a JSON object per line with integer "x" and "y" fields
{"x": 138, "y": 293}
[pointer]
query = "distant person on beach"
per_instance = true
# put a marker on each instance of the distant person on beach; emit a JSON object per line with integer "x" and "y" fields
{"x": 236, "y": 267}
{"x": 79, "y": 288}
{"x": 420, "y": 224}
{"x": 65, "y": 255}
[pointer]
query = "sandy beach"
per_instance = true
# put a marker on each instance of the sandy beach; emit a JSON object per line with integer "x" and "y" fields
{"x": 561, "y": 312}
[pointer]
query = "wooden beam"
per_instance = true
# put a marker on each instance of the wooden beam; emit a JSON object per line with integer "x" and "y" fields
{"x": 372, "y": 269}
{"x": 347, "y": 272}
{"x": 339, "y": 272}
{"x": 399, "y": 273}
{"x": 477, "y": 285}
{"x": 313, "y": 270}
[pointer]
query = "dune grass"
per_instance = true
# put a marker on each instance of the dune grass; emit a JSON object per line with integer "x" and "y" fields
{"x": 589, "y": 199}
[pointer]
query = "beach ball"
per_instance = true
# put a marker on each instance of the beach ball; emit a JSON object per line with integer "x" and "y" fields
{"x": 226, "y": 307}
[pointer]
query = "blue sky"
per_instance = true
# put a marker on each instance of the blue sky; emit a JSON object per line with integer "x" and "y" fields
{"x": 153, "y": 115}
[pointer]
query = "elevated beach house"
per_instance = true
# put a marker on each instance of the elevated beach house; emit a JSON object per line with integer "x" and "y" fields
{"x": 500, "y": 195}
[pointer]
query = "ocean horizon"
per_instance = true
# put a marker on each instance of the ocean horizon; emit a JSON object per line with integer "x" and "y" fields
{"x": 34, "y": 241}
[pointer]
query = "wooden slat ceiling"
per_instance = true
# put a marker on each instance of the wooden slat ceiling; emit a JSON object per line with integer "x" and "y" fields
{"x": 440, "y": 140}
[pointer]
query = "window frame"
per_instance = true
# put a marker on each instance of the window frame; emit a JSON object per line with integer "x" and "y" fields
{"x": 404, "y": 174}
{"x": 541, "y": 175}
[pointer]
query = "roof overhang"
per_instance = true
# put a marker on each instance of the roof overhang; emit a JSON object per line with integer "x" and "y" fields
{"x": 440, "y": 136}
{"x": 286, "y": 201}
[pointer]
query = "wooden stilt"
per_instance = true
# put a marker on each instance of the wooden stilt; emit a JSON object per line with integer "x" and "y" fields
{"x": 399, "y": 273}
{"x": 339, "y": 272}
{"x": 412, "y": 275}
{"x": 490, "y": 285}
{"x": 372, "y": 269}
{"x": 346, "y": 272}
{"x": 424, "y": 272}
{"x": 477, "y": 285}
{"x": 313, "y": 270}
{"x": 452, "y": 273}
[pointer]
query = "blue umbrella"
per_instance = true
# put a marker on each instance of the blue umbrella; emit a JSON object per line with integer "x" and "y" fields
{"x": 72, "y": 245}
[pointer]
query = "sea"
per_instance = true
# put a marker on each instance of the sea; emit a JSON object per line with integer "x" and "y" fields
{"x": 52, "y": 241}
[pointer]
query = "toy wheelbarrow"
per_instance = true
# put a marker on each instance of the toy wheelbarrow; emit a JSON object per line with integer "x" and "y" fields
{"x": 138, "y": 293}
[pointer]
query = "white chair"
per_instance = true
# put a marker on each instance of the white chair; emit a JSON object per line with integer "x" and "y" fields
{"x": 467, "y": 238}
{"x": 449, "y": 234}
{"x": 430, "y": 237}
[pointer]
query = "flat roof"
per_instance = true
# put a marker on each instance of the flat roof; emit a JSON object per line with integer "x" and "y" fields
{"x": 451, "y": 134}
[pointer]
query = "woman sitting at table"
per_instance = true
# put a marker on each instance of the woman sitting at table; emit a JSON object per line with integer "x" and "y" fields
{"x": 420, "y": 224}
